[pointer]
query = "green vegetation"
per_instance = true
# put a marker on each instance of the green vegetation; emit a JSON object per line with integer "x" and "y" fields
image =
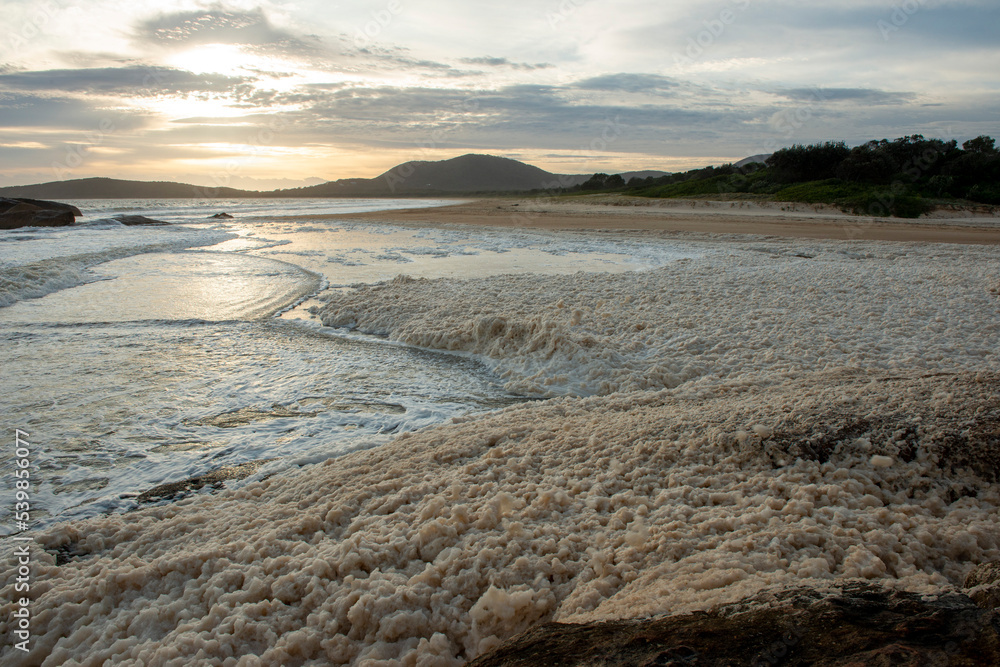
{"x": 904, "y": 178}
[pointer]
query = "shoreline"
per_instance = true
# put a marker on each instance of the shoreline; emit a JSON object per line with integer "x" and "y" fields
{"x": 762, "y": 425}
{"x": 689, "y": 217}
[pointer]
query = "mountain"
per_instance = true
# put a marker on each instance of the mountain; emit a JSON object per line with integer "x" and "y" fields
{"x": 468, "y": 173}
{"x": 461, "y": 175}
{"x": 114, "y": 188}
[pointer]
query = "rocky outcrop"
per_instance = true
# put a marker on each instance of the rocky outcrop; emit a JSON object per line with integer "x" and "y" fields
{"x": 983, "y": 585}
{"x": 855, "y": 624}
{"x": 221, "y": 216}
{"x": 137, "y": 220}
{"x": 15, "y": 213}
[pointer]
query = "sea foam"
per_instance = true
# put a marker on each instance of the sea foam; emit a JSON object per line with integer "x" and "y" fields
{"x": 436, "y": 547}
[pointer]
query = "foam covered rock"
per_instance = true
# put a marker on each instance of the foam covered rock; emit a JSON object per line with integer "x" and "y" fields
{"x": 857, "y": 624}
{"x": 983, "y": 584}
{"x": 443, "y": 544}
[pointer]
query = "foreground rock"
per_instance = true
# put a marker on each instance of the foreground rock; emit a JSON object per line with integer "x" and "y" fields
{"x": 16, "y": 213}
{"x": 859, "y": 624}
{"x": 983, "y": 585}
{"x": 215, "y": 479}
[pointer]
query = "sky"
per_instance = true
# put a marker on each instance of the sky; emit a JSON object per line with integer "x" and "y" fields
{"x": 265, "y": 93}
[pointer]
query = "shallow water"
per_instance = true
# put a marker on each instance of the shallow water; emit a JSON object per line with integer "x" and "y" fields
{"x": 118, "y": 408}
{"x": 138, "y": 356}
{"x": 175, "y": 286}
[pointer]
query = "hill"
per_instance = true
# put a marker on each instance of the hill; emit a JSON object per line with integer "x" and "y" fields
{"x": 114, "y": 188}
{"x": 466, "y": 174}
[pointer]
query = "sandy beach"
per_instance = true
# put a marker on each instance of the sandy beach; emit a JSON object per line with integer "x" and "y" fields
{"x": 622, "y": 213}
{"x": 792, "y": 409}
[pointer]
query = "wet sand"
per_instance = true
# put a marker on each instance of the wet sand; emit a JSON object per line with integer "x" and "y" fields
{"x": 620, "y": 213}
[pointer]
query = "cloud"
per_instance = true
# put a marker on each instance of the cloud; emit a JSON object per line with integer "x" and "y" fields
{"x": 489, "y": 61}
{"x": 866, "y": 95}
{"x": 219, "y": 25}
{"x": 25, "y": 110}
{"x": 502, "y": 78}
{"x": 629, "y": 83}
{"x": 133, "y": 81}
{"x": 398, "y": 62}
{"x": 517, "y": 115}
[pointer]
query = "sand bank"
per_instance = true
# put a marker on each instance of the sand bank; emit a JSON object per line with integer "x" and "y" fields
{"x": 622, "y": 213}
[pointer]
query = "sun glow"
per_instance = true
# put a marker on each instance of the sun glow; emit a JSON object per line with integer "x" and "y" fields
{"x": 227, "y": 59}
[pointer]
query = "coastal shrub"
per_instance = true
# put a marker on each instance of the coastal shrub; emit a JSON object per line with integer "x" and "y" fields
{"x": 901, "y": 177}
{"x": 984, "y": 194}
{"x": 807, "y": 163}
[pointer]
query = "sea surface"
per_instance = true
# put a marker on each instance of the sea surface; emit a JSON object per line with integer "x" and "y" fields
{"x": 141, "y": 356}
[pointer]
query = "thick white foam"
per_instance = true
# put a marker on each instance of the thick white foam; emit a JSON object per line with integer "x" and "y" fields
{"x": 776, "y": 309}
{"x": 675, "y": 494}
{"x": 441, "y": 544}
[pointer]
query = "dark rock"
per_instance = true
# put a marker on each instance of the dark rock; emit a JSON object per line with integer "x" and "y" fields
{"x": 222, "y": 216}
{"x": 15, "y": 213}
{"x": 216, "y": 479}
{"x": 51, "y": 205}
{"x": 859, "y": 624}
{"x": 136, "y": 220}
{"x": 983, "y": 585}
{"x": 987, "y": 573}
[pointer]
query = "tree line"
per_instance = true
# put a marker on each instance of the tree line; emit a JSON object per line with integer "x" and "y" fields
{"x": 904, "y": 177}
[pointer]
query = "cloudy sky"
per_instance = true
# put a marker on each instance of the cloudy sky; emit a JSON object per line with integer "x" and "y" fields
{"x": 228, "y": 92}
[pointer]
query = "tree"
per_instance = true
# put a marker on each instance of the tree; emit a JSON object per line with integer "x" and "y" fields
{"x": 869, "y": 163}
{"x": 808, "y": 163}
{"x": 603, "y": 182}
{"x": 981, "y": 144}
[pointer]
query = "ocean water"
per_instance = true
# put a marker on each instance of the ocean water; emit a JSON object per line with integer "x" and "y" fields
{"x": 141, "y": 356}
